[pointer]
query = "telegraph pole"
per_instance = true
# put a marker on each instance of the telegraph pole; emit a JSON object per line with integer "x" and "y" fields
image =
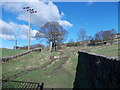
{"x": 31, "y": 11}
{"x": 29, "y": 31}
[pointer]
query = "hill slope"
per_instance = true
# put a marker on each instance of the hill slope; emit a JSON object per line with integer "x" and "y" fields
{"x": 55, "y": 69}
{"x": 9, "y": 52}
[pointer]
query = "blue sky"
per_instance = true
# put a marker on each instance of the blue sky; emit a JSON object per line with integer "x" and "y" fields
{"x": 95, "y": 17}
{"x": 92, "y": 17}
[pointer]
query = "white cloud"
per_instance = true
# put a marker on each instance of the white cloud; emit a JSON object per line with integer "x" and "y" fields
{"x": 11, "y": 31}
{"x": 65, "y": 23}
{"x": 24, "y": 34}
{"x": 62, "y": 14}
{"x": 7, "y": 29}
{"x": 8, "y": 37}
{"x": 90, "y": 2}
{"x": 59, "y": 0}
{"x": 33, "y": 33}
{"x": 45, "y": 12}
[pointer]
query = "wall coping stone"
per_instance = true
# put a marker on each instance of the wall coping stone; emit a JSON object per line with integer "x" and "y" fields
{"x": 103, "y": 56}
{"x": 18, "y": 55}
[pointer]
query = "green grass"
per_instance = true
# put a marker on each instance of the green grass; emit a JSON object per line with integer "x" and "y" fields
{"x": 25, "y": 62}
{"x": 10, "y": 52}
{"x": 108, "y": 50}
{"x": 53, "y": 79}
{"x": 52, "y": 75}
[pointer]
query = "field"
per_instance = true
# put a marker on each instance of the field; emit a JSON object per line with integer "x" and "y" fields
{"x": 9, "y": 52}
{"x": 110, "y": 51}
{"x": 55, "y": 69}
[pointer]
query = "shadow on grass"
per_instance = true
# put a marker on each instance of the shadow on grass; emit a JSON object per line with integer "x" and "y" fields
{"x": 83, "y": 77}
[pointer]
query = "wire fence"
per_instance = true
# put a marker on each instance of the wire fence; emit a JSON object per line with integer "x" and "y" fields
{"x": 21, "y": 84}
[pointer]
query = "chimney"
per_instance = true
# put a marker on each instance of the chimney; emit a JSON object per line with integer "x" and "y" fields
{"x": 16, "y": 43}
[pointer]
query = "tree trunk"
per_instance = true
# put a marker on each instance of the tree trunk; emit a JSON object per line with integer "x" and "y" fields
{"x": 55, "y": 46}
{"x": 50, "y": 47}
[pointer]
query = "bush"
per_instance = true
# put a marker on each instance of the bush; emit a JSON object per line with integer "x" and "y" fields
{"x": 73, "y": 44}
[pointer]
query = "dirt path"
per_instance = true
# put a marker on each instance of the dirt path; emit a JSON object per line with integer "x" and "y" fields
{"x": 53, "y": 60}
{"x": 29, "y": 70}
{"x": 66, "y": 58}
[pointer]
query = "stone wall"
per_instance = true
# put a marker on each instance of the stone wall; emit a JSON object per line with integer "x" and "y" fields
{"x": 94, "y": 71}
{"x": 4, "y": 59}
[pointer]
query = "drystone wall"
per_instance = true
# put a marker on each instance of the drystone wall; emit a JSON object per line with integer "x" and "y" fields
{"x": 97, "y": 72}
{"x": 4, "y": 59}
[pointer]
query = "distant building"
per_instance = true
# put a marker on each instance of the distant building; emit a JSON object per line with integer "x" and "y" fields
{"x": 116, "y": 36}
{"x": 64, "y": 44}
{"x": 15, "y": 47}
{"x": 31, "y": 47}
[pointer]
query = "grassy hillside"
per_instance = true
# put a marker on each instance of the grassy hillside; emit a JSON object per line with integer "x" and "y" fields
{"x": 109, "y": 50}
{"x": 9, "y": 52}
{"x": 55, "y": 69}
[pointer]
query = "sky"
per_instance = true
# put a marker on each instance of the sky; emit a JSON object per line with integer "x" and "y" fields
{"x": 91, "y": 16}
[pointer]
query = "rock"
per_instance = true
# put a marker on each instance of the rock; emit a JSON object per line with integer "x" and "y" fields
{"x": 56, "y": 57}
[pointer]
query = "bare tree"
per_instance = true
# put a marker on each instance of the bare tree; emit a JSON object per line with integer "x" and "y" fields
{"x": 53, "y": 32}
{"x": 107, "y": 34}
{"x": 104, "y": 35}
{"x": 81, "y": 35}
{"x": 98, "y": 36}
{"x": 71, "y": 41}
{"x": 89, "y": 38}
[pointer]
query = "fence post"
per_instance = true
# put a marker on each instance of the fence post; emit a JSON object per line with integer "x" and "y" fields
{"x": 41, "y": 87}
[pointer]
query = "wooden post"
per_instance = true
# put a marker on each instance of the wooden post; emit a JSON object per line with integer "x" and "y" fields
{"x": 50, "y": 47}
